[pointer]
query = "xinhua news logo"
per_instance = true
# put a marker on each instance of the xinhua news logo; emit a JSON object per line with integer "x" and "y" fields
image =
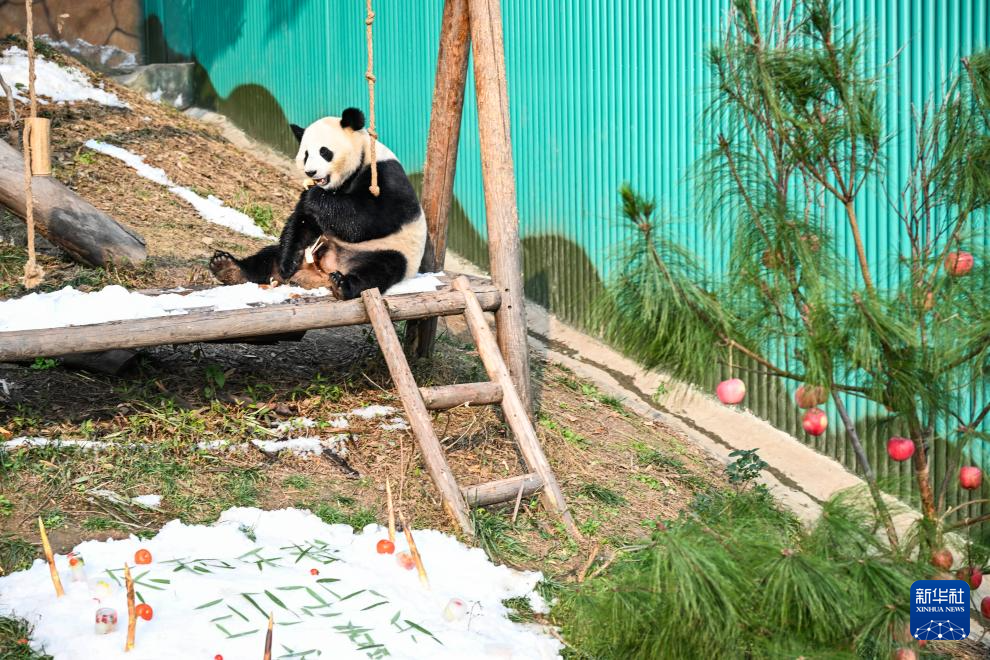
{"x": 940, "y": 609}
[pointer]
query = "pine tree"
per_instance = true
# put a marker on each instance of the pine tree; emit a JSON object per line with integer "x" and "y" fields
{"x": 797, "y": 134}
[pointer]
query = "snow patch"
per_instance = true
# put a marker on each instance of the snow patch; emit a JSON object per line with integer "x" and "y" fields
{"x": 151, "y": 501}
{"x": 56, "y": 83}
{"x": 305, "y": 446}
{"x": 370, "y": 412}
{"x": 209, "y": 208}
{"x": 203, "y": 580}
{"x": 68, "y": 307}
{"x": 28, "y": 442}
{"x": 296, "y": 423}
{"x": 395, "y": 424}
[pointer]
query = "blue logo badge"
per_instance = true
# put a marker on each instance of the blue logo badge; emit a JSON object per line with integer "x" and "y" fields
{"x": 940, "y": 609}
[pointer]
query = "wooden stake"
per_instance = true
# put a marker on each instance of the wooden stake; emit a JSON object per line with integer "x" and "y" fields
{"x": 414, "y": 552}
{"x": 441, "y": 148}
{"x": 391, "y": 511}
{"x": 131, "y": 609}
{"x": 41, "y": 161}
{"x": 419, "y": 418}
{"x": 498, "y": 177}
{"x": 56, "y": 580}
{"x": 268, "y": 638}
{"x": 516, "y": 412}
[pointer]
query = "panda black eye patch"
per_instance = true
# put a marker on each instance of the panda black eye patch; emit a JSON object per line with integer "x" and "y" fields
{"x": 326, "y": 153}
{"x": 305, "y": 156}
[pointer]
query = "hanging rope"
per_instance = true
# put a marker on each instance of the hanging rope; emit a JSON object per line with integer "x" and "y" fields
{"x": 33, "y": 274}
{"x": 370, "y": 75}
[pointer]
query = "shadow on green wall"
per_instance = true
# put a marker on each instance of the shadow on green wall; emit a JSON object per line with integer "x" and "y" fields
{"x": 549, "y": 261}
{"x": 251, "y": 107}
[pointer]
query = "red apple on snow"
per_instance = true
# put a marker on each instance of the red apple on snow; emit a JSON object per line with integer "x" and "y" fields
{"x": 972, "y": 575}
{"x": 815, "y": 422}
{"x": 942, "y": 559}
{"x": 970, "y": 477}
{"x": 731, "y": 391}
{"x": 808, "y": 396}
{"x": 985, "y": 607}
{"x": 900, "y": 449}
{"x": 958, "y": 263}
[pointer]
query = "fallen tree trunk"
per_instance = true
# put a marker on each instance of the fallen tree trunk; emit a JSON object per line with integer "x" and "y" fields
{"x": 66, "y": 219}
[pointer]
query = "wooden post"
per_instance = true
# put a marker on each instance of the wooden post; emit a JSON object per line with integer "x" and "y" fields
{"x": 419, "y": 418}
{"x": 441, "y": 148}
{"x": 66, "y": 219}
{"x": 41, "y": 161}
{"x": 516, "y": 414}
{"x": 500, "y": 190}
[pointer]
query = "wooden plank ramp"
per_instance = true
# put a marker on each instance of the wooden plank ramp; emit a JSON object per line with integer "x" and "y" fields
{"x": 418, "y": 401}
{"x": 251, "y": 323}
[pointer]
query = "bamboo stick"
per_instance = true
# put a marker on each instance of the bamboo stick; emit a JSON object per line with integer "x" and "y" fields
{"x": 414, "y": 552}
{"x": 391, "y": 511}
{"x": 56, "y": 580}
{"x": 268, "y": 637}
{"x": 131, "y": 609}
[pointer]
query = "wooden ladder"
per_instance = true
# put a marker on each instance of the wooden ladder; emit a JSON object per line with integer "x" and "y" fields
{"x": 418, "y": 401}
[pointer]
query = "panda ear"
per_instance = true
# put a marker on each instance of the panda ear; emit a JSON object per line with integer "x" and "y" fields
{"x": 297, "y": 131}
{"x": 352, "y": 118}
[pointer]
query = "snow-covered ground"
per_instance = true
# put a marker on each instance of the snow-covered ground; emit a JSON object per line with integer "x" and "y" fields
{"x": 52, "y": 82}
{"x": 69, "y": 307}
{"x": 209, "y": 208}
{"x": 211, "y": 589}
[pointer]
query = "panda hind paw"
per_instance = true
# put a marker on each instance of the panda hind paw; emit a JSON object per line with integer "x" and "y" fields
{"x": 225, "y": 268}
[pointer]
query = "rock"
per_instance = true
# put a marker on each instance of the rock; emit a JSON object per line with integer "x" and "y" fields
{"x": 167, "y": 83}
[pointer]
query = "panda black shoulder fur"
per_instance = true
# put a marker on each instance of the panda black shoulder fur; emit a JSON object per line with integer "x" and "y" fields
{"x": 367, "y": 241}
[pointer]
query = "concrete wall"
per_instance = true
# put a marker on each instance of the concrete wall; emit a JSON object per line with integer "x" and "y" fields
{"x": 100, "y": 22}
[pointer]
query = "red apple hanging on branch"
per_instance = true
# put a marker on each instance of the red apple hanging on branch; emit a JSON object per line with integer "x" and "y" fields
{"x": 900, "y": 449}
{"x": 942, "y": 559}
{"x": 814, "y": 422}
{"x": 809, "y": 396}
{"x": 970, "y": 477}
{"x": 731, "y": 391}
{"x": 971, "y": 575}
{"x": 958, "y": 264}
{"x": 985, "y": 607}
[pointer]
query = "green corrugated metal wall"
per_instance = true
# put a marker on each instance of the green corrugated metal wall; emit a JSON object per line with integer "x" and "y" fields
{"x": 601, "y": 92}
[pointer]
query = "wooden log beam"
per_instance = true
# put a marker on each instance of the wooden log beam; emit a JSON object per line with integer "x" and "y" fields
{"x": 444, "y": 397}
{"x": 441, "y": 148}
{"x": 503, "y": 490}
{"x": 498, "y": 172}
{"x": 66, "y": 219}
{"x": 516, "y": 413}
{"x": 419, "y": 417}
{"x": 237, "y": 323}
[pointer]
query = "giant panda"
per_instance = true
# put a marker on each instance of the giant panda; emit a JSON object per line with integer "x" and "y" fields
{"x": 362, "y": 241}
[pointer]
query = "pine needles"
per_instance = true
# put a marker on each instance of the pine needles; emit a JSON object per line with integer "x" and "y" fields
{"x": 739, "y": 578}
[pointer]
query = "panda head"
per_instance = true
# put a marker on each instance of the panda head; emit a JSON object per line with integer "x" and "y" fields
{"x": 332, "y": 149}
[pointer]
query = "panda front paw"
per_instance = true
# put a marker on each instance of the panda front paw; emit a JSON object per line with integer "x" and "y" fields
{"x": 288, "y": 267}
{"x": 342, "y": 286}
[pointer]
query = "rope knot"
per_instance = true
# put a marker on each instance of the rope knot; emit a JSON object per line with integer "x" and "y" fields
{"x": 373, "y": 133}
{"x": 375, "y": 190}
{"x": 370, "y": 19}
{"x": 370, "y": 76}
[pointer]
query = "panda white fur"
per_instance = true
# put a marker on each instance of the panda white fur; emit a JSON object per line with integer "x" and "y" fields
{"x": 363, "y": 241}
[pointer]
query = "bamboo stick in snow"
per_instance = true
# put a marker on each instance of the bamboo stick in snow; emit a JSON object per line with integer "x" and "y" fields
{"x": 131, "y": 609}
{"x": 56, "y": 580}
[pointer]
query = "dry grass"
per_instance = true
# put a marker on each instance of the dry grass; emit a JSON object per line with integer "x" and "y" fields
{"x": 619, "y": 473}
